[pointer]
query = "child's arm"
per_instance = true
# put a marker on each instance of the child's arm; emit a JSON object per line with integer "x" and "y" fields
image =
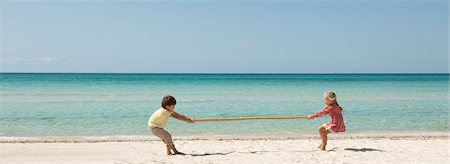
{"x": 321, "y": 113}
{"x": 182, "y": 117}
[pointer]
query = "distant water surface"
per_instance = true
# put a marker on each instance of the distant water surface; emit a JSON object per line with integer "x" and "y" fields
{"x": 35, "y": 104}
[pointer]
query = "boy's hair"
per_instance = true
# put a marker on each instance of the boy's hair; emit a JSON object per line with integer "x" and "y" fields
{"x": 168, "y": 100}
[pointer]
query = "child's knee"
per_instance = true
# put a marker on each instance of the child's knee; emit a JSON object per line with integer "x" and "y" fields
{"x": 321, "y": 128}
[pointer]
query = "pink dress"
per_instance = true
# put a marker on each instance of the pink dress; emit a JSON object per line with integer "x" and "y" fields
{"x": 337, "y": 121}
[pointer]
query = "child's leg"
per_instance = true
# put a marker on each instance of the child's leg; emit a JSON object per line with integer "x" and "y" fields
{"x": 323, "y": 134}
{"x": 168, "y": 152}
{"x": 166, "y": 138}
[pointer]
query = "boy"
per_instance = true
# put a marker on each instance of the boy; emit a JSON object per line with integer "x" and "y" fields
{"x": 158, "y": 121}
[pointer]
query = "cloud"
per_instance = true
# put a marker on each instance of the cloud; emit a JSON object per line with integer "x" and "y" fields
{"x": 48, "y": 61}
{"x": 39, "y": 60}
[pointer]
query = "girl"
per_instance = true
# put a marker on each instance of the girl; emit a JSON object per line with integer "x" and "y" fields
{"x": 336, "y": 124}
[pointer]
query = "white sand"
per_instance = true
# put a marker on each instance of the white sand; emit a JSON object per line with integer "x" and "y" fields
{"x": 392, "y": 149}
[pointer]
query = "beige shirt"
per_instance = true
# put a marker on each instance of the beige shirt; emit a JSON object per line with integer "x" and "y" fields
{"x": 159, "y": 118}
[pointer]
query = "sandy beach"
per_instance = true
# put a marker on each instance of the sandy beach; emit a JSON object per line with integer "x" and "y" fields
{"x": 220, "y": 149}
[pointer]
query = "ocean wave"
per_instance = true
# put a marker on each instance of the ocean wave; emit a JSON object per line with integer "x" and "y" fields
{"x": 199, "y": 100}
{"x": 146, "y": 138}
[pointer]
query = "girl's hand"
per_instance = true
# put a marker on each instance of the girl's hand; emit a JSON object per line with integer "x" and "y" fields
{"x": 310, "y": 117}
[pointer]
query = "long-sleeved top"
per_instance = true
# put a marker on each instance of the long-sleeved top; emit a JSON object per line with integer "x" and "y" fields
{"x": 337, "y": 121}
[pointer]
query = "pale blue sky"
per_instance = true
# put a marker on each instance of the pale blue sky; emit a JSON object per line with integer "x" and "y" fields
{"x": 225, "y": 37}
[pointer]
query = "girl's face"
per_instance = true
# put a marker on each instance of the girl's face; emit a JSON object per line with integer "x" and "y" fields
{"x": 328, "y": 101}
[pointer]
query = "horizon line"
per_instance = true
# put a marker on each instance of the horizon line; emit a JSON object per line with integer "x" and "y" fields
{"x": 225, "y": 73}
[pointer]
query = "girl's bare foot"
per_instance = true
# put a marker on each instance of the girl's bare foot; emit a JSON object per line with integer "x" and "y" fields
{"x": 322, "y": 147}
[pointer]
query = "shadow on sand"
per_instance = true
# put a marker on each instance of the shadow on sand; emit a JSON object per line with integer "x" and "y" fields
{"x": 207, "y": 154}
{"x": 362, "y": 149}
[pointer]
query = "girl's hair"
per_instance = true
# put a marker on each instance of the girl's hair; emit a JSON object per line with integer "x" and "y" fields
{"x": 330, "y": 95}
{"x": 168, "y": 100}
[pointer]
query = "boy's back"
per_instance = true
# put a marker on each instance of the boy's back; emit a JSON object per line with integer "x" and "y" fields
{"x": 159, "y": 118}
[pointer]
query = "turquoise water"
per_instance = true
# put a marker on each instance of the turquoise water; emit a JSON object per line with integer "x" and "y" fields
{"x": 120, "y": 104}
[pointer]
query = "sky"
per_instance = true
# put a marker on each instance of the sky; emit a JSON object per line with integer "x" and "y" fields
{"x": 224, "y": 36}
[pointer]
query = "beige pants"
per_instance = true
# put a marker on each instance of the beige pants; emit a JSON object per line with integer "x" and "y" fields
{"x": 164, "y": 135}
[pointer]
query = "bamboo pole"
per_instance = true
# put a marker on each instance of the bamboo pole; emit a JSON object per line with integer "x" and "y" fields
{"x": 249, "y": 118}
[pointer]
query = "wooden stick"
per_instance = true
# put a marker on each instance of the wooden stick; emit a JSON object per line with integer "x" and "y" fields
{"x": 249, "y": 118}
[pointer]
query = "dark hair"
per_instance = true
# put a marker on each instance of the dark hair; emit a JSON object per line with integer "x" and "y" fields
{"x": 168, "y": 100}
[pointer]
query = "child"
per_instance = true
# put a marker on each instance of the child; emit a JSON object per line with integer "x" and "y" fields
{"x": 158, "y": 121}
{"x": 336, "y": 124}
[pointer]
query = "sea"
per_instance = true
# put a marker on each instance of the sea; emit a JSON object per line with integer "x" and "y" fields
{"x": 118, "y": 104}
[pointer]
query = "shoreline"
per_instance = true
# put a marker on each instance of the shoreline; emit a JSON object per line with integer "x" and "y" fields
{"x": 360, "y": 149}
{"x": 150, "y": 138}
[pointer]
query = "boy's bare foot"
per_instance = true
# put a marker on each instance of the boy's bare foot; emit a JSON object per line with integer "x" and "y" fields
{"x": 176, "y": 152}
{"x": 179, "y": 153}
{"x": 170, "y": 154}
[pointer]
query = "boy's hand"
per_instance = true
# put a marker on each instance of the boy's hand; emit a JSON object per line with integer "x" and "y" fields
{"x": 310, "y": 117}
{"x": 191, "y": 121}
